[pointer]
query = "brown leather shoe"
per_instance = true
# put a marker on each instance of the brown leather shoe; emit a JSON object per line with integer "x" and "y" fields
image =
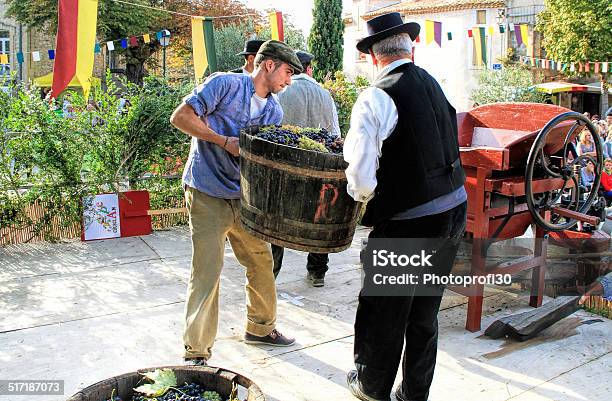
{"x": 275, "y": 339}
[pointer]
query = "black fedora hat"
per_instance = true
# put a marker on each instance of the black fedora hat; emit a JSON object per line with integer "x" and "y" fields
{"x": 384, "y": 26}
{"x": 251, "y": 47}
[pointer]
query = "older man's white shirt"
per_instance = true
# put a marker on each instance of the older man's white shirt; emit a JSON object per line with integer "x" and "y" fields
{"x": 373, "y": 119}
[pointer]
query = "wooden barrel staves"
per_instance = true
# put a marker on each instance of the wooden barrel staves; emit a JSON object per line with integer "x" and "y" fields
{"x": 212, "y": 379}
{"x": 295, "y": 198}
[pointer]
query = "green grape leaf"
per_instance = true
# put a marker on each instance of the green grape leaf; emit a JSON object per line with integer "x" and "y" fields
{"x": 162, "y": 379}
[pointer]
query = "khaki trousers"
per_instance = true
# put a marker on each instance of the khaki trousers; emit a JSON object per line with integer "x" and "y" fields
{"x": 211, "y": 221}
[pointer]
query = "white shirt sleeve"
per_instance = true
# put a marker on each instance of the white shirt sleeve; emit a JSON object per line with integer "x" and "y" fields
{"x": 335, "y": 122}
{"x": 373, "y": 119}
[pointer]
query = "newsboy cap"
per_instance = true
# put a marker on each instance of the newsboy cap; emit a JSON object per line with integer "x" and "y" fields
{"x": 304, "y": 57}
{"x": 282, "y": 52}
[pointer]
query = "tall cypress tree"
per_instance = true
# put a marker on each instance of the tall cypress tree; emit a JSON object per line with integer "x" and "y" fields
{"x": 326, "y": 37}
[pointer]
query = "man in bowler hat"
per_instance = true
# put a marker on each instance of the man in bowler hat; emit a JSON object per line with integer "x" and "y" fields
{"x": 403, "y": 123}
{"x": 251, "y": 47}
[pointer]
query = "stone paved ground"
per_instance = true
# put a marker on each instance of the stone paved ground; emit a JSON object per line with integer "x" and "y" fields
{"x": 83, "y": 312}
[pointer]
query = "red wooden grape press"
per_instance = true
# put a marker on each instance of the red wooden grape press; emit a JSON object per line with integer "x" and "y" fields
{"x": 515, "y": 157}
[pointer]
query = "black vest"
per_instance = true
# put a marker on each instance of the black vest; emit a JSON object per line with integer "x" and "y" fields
{"x": 420, "y": 159}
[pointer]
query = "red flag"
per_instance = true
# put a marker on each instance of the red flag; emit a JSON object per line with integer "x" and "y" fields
{"x": 133, "y": 41}
{"x": 469, "y": 33}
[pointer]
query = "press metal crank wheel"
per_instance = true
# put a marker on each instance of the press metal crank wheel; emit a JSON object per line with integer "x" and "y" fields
{"x": 539, "y": 164}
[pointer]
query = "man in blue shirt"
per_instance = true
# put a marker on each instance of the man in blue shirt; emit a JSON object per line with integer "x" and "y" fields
{"x": 213, "y": 116}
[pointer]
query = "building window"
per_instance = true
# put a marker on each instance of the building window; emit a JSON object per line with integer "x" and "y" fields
{"x": 5, "y": 48}
{"x": 481, "y": 17}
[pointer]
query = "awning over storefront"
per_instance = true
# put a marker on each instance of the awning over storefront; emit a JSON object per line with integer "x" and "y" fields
{"x": 556, "y": 87}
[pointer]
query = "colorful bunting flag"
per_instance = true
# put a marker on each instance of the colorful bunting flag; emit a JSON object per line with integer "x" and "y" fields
{"x": 124, "y": 43}
{"x": 596, "y": 68}
{"x": 480, "y": 45}
{"x": 35, "y": 56}
{"x": 433, "y": 32}
{"x": 450, "y": 36}
{"x": 97, "y": 48}
{"x": 519, "y": 36}
{"x": 133, "y": 41}
{"x": 110, "y": 45}
{"x": 158, "y": 35}
{"x": 203, "y": 43}
{"x": 76, "y": 36}
{"x": 20, "y": 58}
{"x": 276, "y": 25}
{"x": 502, "y": 29}
{"x": 491, "y": 31}
{"x": 525, "y": 37}
{"x": 604, "y": 67}
{"x": 146, "y": 38}
{"x": 470, "y": 33}
{"x": 4, "y": 59}
{"x": 51, "y": 54}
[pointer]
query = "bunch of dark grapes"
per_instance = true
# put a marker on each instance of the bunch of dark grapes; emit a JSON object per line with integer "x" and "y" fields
{"x": 187, "y": 392}
{"x": 290, "y": 136}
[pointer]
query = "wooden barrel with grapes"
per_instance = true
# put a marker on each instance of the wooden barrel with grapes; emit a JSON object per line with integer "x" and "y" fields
{"x": 209, "y": 378}
{"x": 293, "y": 197}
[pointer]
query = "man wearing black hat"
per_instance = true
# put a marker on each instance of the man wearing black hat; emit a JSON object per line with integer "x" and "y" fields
{"x": 402, "y": 125}
{"x": 251, "y": 47}
{"x": 306, "y": 104}
{"x": 213, "y": 116}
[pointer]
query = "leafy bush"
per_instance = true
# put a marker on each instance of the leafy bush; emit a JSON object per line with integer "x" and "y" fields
{"x": 345, "y": 92}
{"x": 47, "y": 158}
{"x": 512, "y": 84}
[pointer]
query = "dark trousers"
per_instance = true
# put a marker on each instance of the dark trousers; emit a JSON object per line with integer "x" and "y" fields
{"x": 316, "y": 263}
{"x": 384, "y": 324}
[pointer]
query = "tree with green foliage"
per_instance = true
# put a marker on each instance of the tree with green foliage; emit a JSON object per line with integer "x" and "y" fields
{"x": 512, "y": 84}
{"x": 326, "y": 38}
{"x": 578, "y": 31}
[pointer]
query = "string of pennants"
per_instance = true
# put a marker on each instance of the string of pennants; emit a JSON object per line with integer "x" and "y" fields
{"x": 587, "y": 66}
{"x": 124, "y": 43}
{"x": 479, "y": 34}
{"x": 433, "y": 32}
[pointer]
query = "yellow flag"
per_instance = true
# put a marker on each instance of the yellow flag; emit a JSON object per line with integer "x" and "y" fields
{"x": 4, "y": 59}
{"x": 88, "y": 16}
{"x": 146, "y": 38}
{"x": 491, "y": 31}
{"x": 200, "y": 58}
{"x": 429, "y": 31}
{"x": 525, "y": 36}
